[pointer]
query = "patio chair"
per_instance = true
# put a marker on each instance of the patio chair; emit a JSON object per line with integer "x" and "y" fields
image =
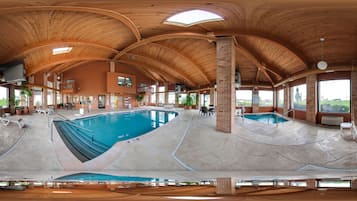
{"x": 6, "y": 122}
{"x": 204, "y": 110}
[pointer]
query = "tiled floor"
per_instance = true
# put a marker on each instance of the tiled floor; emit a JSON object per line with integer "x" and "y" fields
{"x": 188, "y": 146}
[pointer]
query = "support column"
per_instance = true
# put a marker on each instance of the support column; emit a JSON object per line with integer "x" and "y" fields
{"x": 12, "y": 98}
{"x": 311, "y": 184}
{"x": 166, "y": 92}
{"x": 211, "y": 98}
{"x": 286, "y": 98}
{"x": 44, "y": 91}
{"x": 157, "y": 94}
{"x": 225, "y": 186}
{"x": 255, "y": 101}
{"x": 354, "y": 184}
{"x": 354, "y": 96}
{"x": 311, "y": 98}
{"x": 225, "y": 84}
{"x": 112, "y": 105}
{"x": 31, "y": 80}
{"x": 54, "y": 91}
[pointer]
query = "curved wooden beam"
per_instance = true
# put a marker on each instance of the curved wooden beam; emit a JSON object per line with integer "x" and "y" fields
{"x": 164, "y": 37}
{"x": 330, "y": 69}
{"x": 184, "y": 57}
{"x": 99, "y": 11}
{"x": 290, "y": 47}
{"x": 136, "y": 65}
{"x": 249, "y": 55}
{"x": 41, "y": 67}
{"x": 36, "y": 46}
{"x": 166, "y": 68}
{"x": 73, "y": 66}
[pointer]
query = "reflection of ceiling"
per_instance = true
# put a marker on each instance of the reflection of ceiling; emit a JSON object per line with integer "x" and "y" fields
{"x": 276, "y": 39}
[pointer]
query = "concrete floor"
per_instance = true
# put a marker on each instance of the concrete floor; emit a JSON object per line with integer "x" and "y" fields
{"x": 188, "y": 147}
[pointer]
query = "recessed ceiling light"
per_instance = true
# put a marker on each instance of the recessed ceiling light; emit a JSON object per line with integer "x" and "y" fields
{"x": 61, "y": 50}
{"x": 192, "y": 17}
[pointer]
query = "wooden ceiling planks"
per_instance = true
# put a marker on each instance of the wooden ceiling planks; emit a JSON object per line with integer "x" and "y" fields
{"x": 282, "y": 36}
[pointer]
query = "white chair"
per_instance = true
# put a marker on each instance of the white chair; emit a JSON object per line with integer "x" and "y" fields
{"x": 6, "y": 122}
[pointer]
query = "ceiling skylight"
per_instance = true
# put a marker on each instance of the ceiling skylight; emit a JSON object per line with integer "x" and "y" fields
{"x": 61, "y": 50}
{"x": 192, "y": 17}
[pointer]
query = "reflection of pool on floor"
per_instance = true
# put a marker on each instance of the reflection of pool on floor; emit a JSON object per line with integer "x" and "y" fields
{"x": 268, "y": 118}
{"x": 103, "y": 177}
{"x": 89, "y": 137}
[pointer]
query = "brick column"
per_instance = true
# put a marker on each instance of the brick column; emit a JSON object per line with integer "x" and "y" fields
{"x": 225, "y": 186}
{"x": 311, "y": 184}
{"x": 211, "y": 98}
{"x": 354, "y": 184}
{"x": 286, "y": 98}
{"x": 31, "y": 80}
{"x": 354, "y": 96}
{"x": 12, "y": 98}
{"x": 225, "y": 84}
{"x": 255, "y": 101}
{"x": 311, "y": 98}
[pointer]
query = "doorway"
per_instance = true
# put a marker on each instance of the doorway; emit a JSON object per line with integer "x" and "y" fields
{"x": 101, "y": 102}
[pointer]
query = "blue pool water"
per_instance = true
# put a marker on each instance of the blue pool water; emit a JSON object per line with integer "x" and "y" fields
{"x": 103, "y": 177}
{"x": 104, "y": 130}
{"x": 268, "y": 118}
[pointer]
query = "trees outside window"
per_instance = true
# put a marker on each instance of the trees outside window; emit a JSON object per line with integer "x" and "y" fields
{"x": 335, "y": 96}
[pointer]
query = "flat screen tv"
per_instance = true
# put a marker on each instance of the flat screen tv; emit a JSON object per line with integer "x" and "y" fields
{"x": 15, "y": 72}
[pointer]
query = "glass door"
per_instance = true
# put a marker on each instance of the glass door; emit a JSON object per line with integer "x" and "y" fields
{"x": 101, "y": 101}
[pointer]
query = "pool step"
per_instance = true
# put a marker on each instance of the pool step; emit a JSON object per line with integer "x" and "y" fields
{"x": 81, "y": 144}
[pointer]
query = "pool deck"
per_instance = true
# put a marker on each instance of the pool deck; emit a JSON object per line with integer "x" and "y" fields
{"x": 188, "y": 147}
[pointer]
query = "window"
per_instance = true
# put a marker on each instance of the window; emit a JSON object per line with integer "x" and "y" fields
{"x": 58, "y": 97}
{"x": 4, "y": 97}
{"x": 334, "y": 96}
{"x": 244, "y": 98}
{"x": 298, "y": 97}
{"x": 182, "y": 99}
{"x": 128, "y": 82}
{"x": 50, "y": 97}
{"x": 153, "y": 94}
{"x": 281, "y": 98}
{"x": 18, "y": 99}
{"x": 121, "y": 81}
{"x": 161, "y": 95}
{"x": 265, "y": 98}
{"x": 194, "y": 98}
{"x": 205, "y": 99}
{"x": 172, "y": 98}
{"x": 192, "y": 17}
{"x": 334, "y": 184}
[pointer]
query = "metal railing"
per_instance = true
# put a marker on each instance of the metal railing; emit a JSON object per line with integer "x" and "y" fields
{"x": 69, "y": 121}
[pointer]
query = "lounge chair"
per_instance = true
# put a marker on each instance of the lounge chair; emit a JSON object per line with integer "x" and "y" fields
{"x": 204, "y": 110}
{"x": 6, "y": 122}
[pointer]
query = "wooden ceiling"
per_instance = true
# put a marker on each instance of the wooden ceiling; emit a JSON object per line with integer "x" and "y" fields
{"x": 276, "y": 39}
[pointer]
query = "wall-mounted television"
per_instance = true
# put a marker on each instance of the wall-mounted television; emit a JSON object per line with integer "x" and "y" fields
{"x": 13, "y": 72}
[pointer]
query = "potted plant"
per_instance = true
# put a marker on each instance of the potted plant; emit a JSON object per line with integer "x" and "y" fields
{"x": 26, "y": 93}
{"x": 18, "y": 109}
{"x": 188, "y": 103}
{"x": 139, "y": 98}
